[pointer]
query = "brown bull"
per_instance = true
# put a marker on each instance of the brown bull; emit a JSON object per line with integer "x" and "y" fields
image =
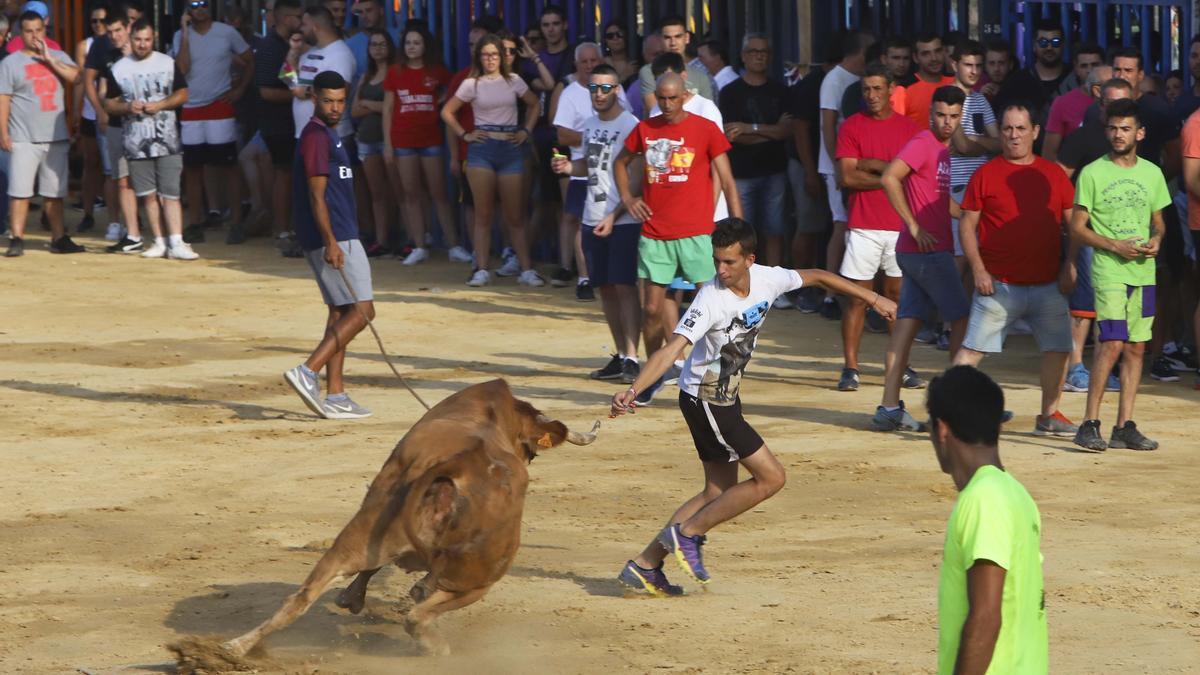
{"x": 448, "y": 501}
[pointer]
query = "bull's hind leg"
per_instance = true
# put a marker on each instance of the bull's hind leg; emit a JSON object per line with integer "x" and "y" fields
{"x": 419, "y": 619}
{"x": 354, "y": 597}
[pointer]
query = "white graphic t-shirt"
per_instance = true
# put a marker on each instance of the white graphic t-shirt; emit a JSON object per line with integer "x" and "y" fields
{"x": 151, "y": 79}
{"x": 333, "y": 56}
{"x": 602, "y": 142}
{"x": 723, "y": 329}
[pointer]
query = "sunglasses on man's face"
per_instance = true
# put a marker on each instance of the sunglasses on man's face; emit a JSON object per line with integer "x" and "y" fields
{"x": 1049, "y": 42}
{"x": 602, "y": 88}
{"x": 197, "y": 4}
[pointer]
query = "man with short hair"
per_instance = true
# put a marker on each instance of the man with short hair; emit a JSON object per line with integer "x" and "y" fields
{"x": 917, "y": 183}
{"x": 758, "y": 125}
{"x": 572, "y": 109}
{"x": 833, "y": 87}
{"x": 609, "y": 234}
{"x": 997, "y": 64}
{"x": 1067, "y": 111}
{"x": 1038, "y": 85}
{"x": 672, "y": 29}
{"x": 808, "y": 189}
{"x": 275, "y": 120}
{"x": 683, "y": 152}
{"x": 33, "y": 129}
{"x": 207, "y": 51}
{"x": 715, "y": 57}
{"x": 721, "y": 326}
{"x": 337, "y": 10}
{"x": 1121, "y": 197}
{"x": 558, "y": 58}
{"x": 977, "y": 138}
{"x": 930, "y": 55}
{"x": 327, "y": 230}
{"x": 867, "y": 142}
{"x": 991, "y": 597}
{"x": 370, "y": 15}
{"x": 144, "y": 89}
{"x": 1013, "y": 243}
{"x": 897, "y": 58}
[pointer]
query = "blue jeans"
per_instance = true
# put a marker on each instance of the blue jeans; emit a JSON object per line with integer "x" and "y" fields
{"x": 1042, "y": 305}
{"x": 930, "y": 282}
{"x": 762, "y": 203}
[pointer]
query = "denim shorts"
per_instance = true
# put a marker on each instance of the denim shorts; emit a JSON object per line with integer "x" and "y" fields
{"x": 500, "y": 157}
{"x": 931, "y": 282}
{"x": 431, "y": 151}
{"x": 762, "y": 203}
{"x": 1042, "y": 305}
{"x": 369, "y": 149}
{"x": 1083, "y": 299}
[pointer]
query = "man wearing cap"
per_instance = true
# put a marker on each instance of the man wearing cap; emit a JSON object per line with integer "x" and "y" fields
{"x": 326, "y": 223}
{"x": 33, "y": 127}
{"x": 38, "y": 7}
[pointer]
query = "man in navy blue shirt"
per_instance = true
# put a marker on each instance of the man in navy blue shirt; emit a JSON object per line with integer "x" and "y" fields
{"x": 327, "y": 229}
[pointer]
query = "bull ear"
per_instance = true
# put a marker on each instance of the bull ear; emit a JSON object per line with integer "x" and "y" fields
{"x": 548, "y": 433}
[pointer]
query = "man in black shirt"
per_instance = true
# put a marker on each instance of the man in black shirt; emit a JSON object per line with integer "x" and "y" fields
{"x": 752, "y": 107}
{"x": 1039, "y": 84}
{"x": 275, "y": 106}
{"x": 808, "y": 190}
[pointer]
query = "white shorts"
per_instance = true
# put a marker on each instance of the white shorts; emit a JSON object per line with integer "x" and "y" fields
{"x": 837, "y": 205}
{"x": 208, "y": 132}
{"x": 867, "y": 252}
{"x": 44, "y": 162}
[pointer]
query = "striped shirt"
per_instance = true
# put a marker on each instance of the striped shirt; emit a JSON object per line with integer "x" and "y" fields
{"x": 977, "y": 114}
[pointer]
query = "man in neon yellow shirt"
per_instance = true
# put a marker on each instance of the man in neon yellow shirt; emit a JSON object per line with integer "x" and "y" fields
{"x": 991, "y": 604}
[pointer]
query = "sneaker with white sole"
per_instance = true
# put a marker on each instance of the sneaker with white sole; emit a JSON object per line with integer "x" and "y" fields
{"x": 182, "y": 252}
{"x": 479, "y": 278}
{"x": 125, "y": 245}
{"x": 531, "y": 278}
{"x": 308, "y": 387}
{"x": 510, "y": 268}
{"x": 895, "y": 420}
{"x": 156, "y": 250}
{"x": 344, "y": 409}
{"x": 114, "y": 232}
{"x": 418, "y": 255}
{"x": 459, "y": 254}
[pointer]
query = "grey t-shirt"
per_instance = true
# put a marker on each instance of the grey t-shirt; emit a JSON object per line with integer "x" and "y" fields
{"x": 38, "y": 113}
{"x": 698, "y": 80}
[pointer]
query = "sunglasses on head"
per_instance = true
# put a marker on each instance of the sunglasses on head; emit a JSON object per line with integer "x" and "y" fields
{"x": 602, "y": 88}
{"x": 1049, "y": 42}
{"x": 614, "y": 35}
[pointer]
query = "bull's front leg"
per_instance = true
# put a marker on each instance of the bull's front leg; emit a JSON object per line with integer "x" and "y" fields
{"x": 354, "y": 596}
{"x": 419, "y": 619}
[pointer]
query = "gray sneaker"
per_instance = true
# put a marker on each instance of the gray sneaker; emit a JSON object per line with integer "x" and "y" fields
{"x": 912, "y": 380}
{"x": 1054, "y": 425}
{"x": 308, "y": 388}
{"x": 849, "y": 380}
{"x": 345, "y": 409}
{"x": 1129, "y": 437}
{"x": 895, "y": 420}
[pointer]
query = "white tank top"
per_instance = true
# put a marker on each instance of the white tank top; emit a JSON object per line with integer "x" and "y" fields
{"x": 89, "y": 113}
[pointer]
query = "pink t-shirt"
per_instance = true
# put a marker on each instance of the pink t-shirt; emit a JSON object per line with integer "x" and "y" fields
{"x": 1190, "y": 148}
{"x": 494, "y": 101}
{"x": 927, "y": 189}
{"x": 864, "y": 137}
{"x": 1066, "y": 113}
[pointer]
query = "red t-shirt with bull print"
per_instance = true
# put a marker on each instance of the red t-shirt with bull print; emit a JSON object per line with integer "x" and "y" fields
{"x": 677, "y": 185}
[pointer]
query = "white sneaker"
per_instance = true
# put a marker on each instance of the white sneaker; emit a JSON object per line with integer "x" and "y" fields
{"x": 157, "y": 250}
{"x": 459, "y": 254}
{"x": 531, "y": 278}
{"x": 782, "y": 302}
{"x": 115, "y": 232}
{"x": 480, "y": 278}
{"x": 510, "y": 268}
{"x": 418, "y": 255}
{"x": 182, "y": 251}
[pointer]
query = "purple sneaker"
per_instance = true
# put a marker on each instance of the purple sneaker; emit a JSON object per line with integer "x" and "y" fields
{"x": 686, "y": 551}
{"x": 653, "y": 581}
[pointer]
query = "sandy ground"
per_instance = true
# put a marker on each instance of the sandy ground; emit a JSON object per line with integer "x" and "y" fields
{"x": 160, "y": 480}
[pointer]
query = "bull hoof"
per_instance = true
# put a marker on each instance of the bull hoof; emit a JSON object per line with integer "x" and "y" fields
{"x": 419, "y": 592}
{"x": 429, "y": 642}
{"x": 351, "y": 600}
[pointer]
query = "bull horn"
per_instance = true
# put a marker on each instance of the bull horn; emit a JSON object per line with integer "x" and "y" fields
{"x": 574, "y": 437}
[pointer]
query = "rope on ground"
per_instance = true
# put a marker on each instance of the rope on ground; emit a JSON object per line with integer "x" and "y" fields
{"x": 382, "y": 350}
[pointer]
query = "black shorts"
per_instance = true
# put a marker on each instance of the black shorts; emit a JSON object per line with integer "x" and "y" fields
{"x": 282, "y": 148}
{"x": 87, "y": 127}
{"x": 720, "y": 432}
{"x": 576, "y": 196}
{"x": 209, "y": 154}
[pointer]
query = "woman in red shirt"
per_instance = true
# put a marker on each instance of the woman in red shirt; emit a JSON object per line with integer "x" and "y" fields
{"x": 414, "y": 89}
{"x": 368, "y": 110}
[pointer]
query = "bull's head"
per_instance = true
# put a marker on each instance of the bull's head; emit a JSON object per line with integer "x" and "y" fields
{"x": 539, "y": 432}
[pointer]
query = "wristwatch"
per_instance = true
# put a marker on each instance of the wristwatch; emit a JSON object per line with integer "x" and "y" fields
{"x": 754, "y": 128}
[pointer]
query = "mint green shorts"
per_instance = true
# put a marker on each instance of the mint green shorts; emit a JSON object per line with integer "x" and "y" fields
{"x": 661, "y": 261}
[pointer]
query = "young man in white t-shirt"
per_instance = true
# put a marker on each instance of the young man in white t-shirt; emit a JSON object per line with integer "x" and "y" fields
{"x": 609, "y": 234}
{"x": 722, "y": 326}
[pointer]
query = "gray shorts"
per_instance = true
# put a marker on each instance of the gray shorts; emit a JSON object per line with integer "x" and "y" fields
{"x": 812, "y": 215}
{"x": 1042, "y": 305}
{"x": 156, "y": 175}
{"x": 114, "y": 139}
{"x": 45, "y": 162}
{"x": 356, "y": 267}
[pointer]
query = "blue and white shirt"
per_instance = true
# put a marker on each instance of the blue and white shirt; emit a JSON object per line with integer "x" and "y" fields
{"x": 322, "y": 153}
